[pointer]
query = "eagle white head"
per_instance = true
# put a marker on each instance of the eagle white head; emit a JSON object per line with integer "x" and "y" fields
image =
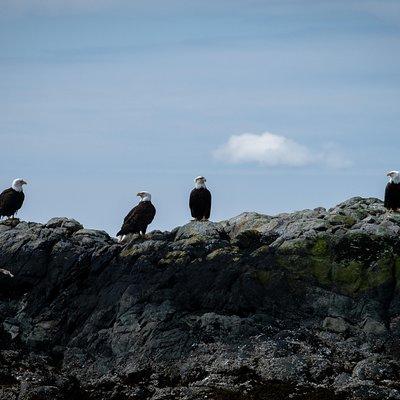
{"x": 200, "y": 182}
{"x": 144, "y": 196}
{"x": 17, "y": 184}
{"x": 394, "y": 176}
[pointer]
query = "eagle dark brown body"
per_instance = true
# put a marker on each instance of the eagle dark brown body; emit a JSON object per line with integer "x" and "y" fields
{"x": 200, "y": 203}
{"x": 392, "y": 196}
{"x": 10, "y": 202}
{"x": 138, "y": 219}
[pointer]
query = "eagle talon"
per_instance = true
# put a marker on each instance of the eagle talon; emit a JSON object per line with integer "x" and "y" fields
{"x": 121, "y": 238}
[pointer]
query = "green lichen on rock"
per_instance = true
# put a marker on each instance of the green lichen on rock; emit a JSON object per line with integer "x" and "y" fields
{"x": 348, "y": 276}
{"x": 194, "y": 241}
{"x": 306, "y": 259}
{"x": 356, "y": 277}
{"x": 321, "y": 262}
{"x": 320, "y": 248}
{"x": 247, "y": 239}
{"x": 262, "y": 276}
{"x": 295, "y": 246}
{"x": 339, "y": 219}
{"x": 333, "y": 264}
{"x": 225, "y": 252}
{"x": 131, "y": 252}
{"x": 261, "y": 251}
{"x": 296, "y": 264}
{"x": 175, "y": 258}
{"x": 321, "y": 269}
{"x": 381, "y": 273}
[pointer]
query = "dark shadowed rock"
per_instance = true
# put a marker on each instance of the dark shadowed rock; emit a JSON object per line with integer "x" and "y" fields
{"x": 303, "y": 305}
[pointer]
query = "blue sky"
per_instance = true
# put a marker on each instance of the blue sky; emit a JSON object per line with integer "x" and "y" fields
{"x": 282, "y": 105}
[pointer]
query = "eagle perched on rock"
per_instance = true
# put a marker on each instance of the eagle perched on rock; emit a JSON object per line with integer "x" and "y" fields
{"x": 11, "y": 199}
{"x": 392, "y": 192}
{"x": 200, "y": 200}
{"x": 139, "y": 217}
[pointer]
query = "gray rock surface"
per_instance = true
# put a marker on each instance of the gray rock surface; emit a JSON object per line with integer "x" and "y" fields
{"x": 303, "y": 305}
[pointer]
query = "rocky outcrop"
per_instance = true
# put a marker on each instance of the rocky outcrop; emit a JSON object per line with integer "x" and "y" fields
{"x": 303, "y": 306}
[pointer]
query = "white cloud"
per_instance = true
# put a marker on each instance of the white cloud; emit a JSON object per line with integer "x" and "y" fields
{"x": 276, "y": 150}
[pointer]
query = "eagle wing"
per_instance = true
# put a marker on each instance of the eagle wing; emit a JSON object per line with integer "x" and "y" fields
{"x": 11, "y": 201}
{"x": 392, "y": 196}
{"x": 131, "y": 214}
{"x": 138, "y": 218}
{"x": 193, "y": 201}
{"x": 200, "y": 200}
{"x": 207, "y": 203}
{"x": 387, "y": 201}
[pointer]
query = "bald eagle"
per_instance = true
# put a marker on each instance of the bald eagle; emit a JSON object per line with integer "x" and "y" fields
{"x": 392, "y": 192}
{"x": 200, "y": 200}
{"x": 139, "y": 217}
{"x": 11, "y": 199}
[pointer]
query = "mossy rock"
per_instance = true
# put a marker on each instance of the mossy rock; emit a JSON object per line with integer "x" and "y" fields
{"x": 355, "y": 277}
{"x": 321, "y": 269}
{"x": 262, "y": 276}
{"x": 381, "y": 273}
{"x": 131, "y": 252}
{"x": 298, "y": 265}
{"x": 222, "y": 253}
{"x": 320, "y": 248}
{"x": 355, "y": 265}
{"x": 248, "y": 239}
{"x": 348, "y": 277}
{"x": 261, "y": 251}
{"x": 175, "y": 258}
{"x": 295, "y": 246}
{"x": 307, "y": 259}
{"x": 360, "y": 246}
{"x": 339, "y": 219}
